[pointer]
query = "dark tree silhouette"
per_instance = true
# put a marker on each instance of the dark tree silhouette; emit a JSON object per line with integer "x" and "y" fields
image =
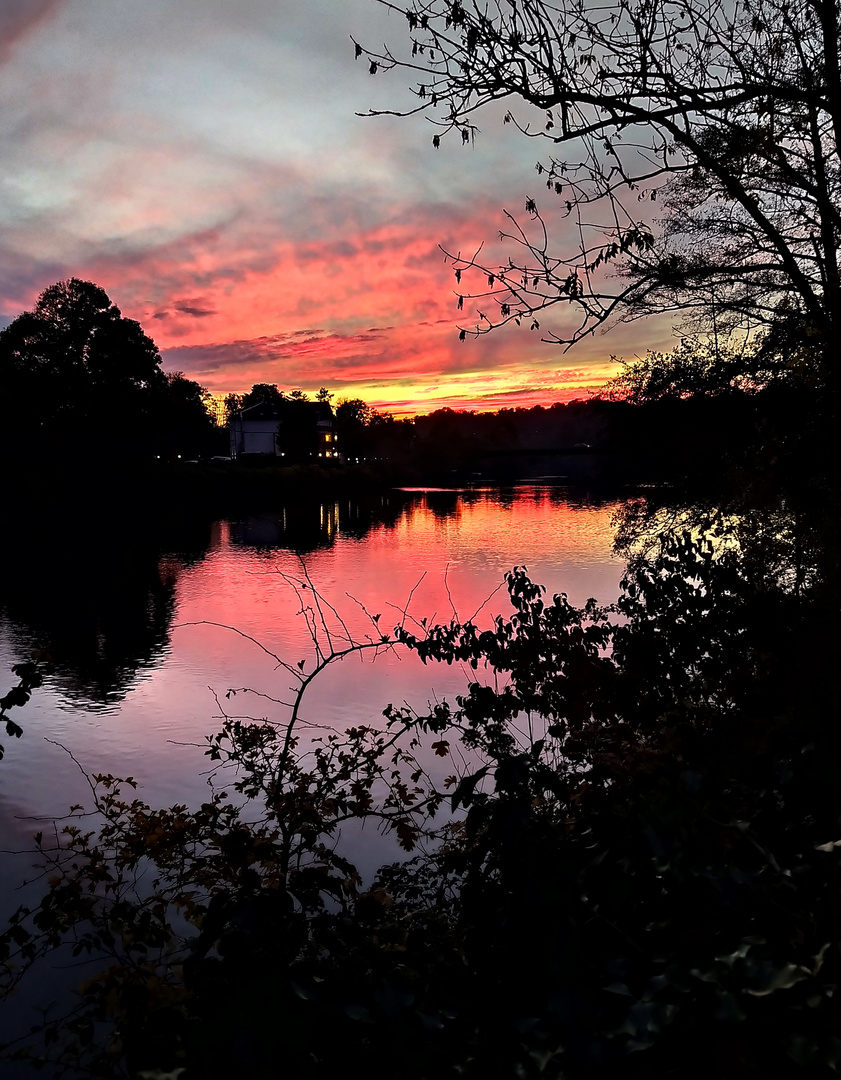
{"x": 262, "y": 393}
{"x": 725, "y": 115}
{"x": 186, "y": 427}
{"x": 353, "y": 418}
{"x": 366, "y": 434}
{"x": 76, "y": 332}
{"x": 76, "y": 374}
{"x": 259, "y": 394}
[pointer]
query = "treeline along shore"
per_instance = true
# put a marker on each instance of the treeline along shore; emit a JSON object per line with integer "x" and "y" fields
{"x": 615, "y": 444}
{"x": 91, "y": 415}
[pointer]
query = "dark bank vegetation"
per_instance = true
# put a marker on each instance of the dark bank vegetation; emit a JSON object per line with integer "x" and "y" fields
{"x": 95, "y": 418}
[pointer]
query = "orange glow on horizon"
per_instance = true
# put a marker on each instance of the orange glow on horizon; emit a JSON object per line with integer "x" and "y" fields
{"x": 261, "y": 228}
{"x": 482, "y": 394}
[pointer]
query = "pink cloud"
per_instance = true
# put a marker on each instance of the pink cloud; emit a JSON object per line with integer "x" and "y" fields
{"x": 368, "y": 307}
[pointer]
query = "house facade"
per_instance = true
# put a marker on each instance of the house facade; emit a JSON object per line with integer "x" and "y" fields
{"x": 299, "y": 431}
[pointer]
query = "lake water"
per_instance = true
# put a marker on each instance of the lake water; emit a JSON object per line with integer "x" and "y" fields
{"x": 135, "y": 620}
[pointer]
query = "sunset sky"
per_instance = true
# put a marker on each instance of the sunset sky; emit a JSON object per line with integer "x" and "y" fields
{"x": 202, "y": 161}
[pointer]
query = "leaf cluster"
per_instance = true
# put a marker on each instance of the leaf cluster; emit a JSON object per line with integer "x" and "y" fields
{"x": 30, "y": 676}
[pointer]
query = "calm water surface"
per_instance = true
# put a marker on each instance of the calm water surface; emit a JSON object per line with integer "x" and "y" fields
{"x": 137, "y": 661}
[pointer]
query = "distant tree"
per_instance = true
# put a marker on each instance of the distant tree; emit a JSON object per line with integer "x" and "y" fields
{"x": 354, "y": 411}
{"x": 324, "y": 395}
{"x": 365, "y": 432}
{"x": 77, "y": 374}
{"x": 187, "y": 426}
{"x": 352, "y": 417}
{"x": 232, "y": 404}
{"x": 725, "y": 115}
{"x": 262, "y": 394}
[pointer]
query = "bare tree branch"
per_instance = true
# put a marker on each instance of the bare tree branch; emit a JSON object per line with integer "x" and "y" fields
{"x": 700, "y": 139}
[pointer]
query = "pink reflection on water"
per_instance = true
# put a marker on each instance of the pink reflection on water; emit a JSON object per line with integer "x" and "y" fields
{"x": 448, "y": 551}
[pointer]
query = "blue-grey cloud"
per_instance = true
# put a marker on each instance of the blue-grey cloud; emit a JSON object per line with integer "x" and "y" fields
{"x": 194, "y": 307}
{"x": 19, "y": 18}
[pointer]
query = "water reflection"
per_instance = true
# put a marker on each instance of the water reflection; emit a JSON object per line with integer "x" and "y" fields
{"x": 97, "y": 596}
{"x": 101, "y": 594}
{"x": 302, "y": 528}
{"x": 308, "y": 527}
{"x": 305, "y": 527}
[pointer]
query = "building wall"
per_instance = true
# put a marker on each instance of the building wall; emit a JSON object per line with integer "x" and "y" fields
{"x": 253, "y": 437}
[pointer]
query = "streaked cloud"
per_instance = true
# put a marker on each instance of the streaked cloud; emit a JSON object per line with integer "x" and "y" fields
{"x": 203, "y": 162}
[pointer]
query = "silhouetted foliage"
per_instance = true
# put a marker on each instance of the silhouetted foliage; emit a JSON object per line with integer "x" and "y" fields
{"x": 355, "y": 410}
{"x": 262, "y": 394}
{"x": 77, "y": 376}
{"x": 80, "y": 379}
{"x": 698, "y": 368}
{"x": 369, "y": 435}
{"x": 746, "y": 423}
{"x": 232, "y": 404}
{"x": 185, "y": 426}
{"x": 30, "y": 675}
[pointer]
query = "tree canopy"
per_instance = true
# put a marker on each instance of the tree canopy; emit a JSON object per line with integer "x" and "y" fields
{"x": 76, "y": 337}
{"x": 75, "y": 374}
{"x": 693, "y": 148}
{"x": 268, "y": 394}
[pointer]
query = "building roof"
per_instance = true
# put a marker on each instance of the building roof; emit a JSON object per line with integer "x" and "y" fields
{"x": 321, "y": 411}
